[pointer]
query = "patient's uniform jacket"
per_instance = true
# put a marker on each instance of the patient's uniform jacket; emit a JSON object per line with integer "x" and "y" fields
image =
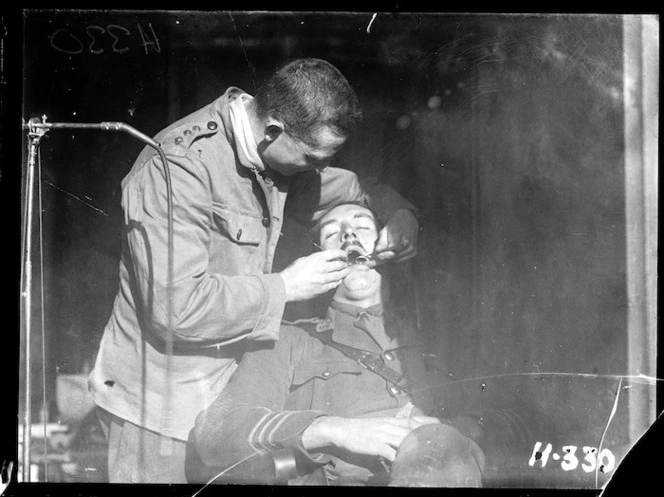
{"x": 281, "y": 387}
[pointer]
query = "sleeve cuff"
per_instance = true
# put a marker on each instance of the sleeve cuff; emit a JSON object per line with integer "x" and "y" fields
{"x": 287, "y": 434}
{"x": 317, "y": 458}
{"x": 269, "y": 321}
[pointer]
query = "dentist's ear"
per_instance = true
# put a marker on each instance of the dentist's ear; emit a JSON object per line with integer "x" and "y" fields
{"x": 273, "y": 129}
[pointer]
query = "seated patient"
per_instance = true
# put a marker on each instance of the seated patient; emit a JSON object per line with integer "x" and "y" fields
{"x": 303, "y": 410}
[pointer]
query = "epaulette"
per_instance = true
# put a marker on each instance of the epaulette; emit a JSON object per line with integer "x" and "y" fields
{"x": 178, "y": 141}
{"x": 311, "y": 325}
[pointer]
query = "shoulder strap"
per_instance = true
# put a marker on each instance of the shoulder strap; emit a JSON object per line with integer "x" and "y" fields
{"x": 369, "y": 360}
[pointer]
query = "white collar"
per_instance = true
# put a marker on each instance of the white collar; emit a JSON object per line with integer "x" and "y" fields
{"x": 242, "y": 131}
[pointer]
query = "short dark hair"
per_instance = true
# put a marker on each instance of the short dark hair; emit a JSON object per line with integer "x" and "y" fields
{"x": 307, "y": 95}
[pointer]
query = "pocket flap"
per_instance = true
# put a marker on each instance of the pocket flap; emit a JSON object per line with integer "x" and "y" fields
{"x": 243, "y": 229}
{"x": 325, "y": 370}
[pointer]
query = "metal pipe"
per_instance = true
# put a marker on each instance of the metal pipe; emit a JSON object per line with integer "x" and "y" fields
{"x": 26, "y": 287}
{"x": 37, "y": 128}
{"x": 104, "y": 126}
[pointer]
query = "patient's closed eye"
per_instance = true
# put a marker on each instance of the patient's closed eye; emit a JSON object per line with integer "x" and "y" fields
{"x": 329, "y": 234}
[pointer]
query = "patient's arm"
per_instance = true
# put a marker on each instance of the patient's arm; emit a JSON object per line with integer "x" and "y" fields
{"x": 248, "y": 422}
{"x": 364, "y": 436}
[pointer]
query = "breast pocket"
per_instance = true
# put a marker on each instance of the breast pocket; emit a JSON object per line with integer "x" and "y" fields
{"x": 325, "y": 370}
{"x": 242, "y": 229}
{"x": 330, "y": 385}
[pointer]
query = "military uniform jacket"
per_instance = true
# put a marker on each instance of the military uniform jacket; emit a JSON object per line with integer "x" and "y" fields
{"x": 227, "y": 221}
{"x": 279, "y": 389}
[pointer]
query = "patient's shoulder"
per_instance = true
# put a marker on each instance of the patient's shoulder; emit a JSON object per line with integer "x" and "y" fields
{"x": 302, "y": 333}
{"x": 306, "y": 326}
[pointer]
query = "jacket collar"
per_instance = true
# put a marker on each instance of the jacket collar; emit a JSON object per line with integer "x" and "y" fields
{"x": 350, "y": 323}
{"x": 355, "y": 311}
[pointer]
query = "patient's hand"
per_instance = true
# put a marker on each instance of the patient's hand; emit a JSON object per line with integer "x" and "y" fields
{"x": 364, "y": 436}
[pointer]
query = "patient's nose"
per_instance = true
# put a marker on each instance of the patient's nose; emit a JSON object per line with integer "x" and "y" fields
{"x": 348, "y": 233}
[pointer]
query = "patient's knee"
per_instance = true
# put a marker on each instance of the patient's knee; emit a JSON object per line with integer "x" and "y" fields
{"x": 437, "y": 456}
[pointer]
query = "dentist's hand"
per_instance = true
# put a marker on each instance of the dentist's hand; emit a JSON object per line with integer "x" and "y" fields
{"x": 397, "y": 241}
{"x": 315, "y": 274}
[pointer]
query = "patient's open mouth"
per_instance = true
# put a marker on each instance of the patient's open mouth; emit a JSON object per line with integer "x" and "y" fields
{"x": 362, "y": 259}
{"x": 356, "y": 254}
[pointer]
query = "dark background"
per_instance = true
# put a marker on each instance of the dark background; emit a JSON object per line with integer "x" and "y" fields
{"x": 505, "y": 131}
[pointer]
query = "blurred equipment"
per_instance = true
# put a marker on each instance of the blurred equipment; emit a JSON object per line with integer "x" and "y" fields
{"x": 72, "y": 397}
{"x": 37, "y": 128}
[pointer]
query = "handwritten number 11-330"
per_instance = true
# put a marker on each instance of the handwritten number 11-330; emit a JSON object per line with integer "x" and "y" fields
{"x": 64, "y": 40}
{"x": 569, "y": 461}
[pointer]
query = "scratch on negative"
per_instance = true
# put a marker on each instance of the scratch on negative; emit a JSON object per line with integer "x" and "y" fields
{"x": 606, "y": 428}
{"x": 244, "y": 51}
{"x": 218, "y": 475}
{"x": 373, "y": 18}
{"x": 637, "y": 379}
{"x": 77, "y": 198}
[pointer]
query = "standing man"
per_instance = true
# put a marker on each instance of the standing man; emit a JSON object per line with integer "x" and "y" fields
{"x": 232, "y": 165}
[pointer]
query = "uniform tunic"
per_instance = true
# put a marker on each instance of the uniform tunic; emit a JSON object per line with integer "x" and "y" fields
{"x": 279, "y": 389}
{"x": 228, "y": 216}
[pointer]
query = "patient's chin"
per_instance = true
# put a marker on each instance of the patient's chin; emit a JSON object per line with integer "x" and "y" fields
{"x": 361, "y": 282}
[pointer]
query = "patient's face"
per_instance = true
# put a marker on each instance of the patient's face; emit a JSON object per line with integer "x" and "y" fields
{"x": 351, "y": 228}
